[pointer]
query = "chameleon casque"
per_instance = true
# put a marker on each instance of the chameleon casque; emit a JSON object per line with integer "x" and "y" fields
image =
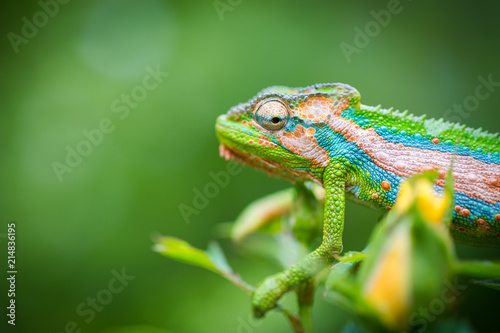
{"x": 323, "y": 134}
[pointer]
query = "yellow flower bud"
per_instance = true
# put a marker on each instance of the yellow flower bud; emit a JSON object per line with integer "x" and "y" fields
{"x": 387, "y": 289}
{"x": 430, "y": 206}
{"x": 405, "y": 197}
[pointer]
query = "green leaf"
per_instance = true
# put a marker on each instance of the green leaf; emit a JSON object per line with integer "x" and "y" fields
{"x": 338, "y": 273}
{"x": 213, "y": 259}
{"x": 352, "y": 256}
{"x": 218, "y": 258}
{"x": 282, "y": 249}
{"x": 182, "y": 251}
{"x": 261, "y": 212}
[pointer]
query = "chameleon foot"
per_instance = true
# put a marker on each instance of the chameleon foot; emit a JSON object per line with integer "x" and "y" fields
{"x": 270, "y": 291}
{"x": 267, "y": 294}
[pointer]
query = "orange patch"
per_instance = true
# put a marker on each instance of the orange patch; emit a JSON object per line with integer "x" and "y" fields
{"x": 316, "y": 109}
{"x": 302, "y": 142}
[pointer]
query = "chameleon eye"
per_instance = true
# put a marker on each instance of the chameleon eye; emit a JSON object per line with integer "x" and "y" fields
{"x": 272, "y": 115}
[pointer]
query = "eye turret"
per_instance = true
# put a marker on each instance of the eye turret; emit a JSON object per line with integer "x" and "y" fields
{"x": 272, "y": 115}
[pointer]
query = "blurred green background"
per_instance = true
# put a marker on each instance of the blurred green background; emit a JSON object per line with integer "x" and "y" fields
{"x": 75, "y": 69}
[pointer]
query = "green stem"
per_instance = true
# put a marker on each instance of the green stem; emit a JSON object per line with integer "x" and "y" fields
{"x": 295, "y": 320}
{"x": 305, "y": 295}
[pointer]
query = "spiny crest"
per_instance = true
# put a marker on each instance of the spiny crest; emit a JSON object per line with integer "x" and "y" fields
{"x": 436, "y": 126}
{"x": 390, "y": 121}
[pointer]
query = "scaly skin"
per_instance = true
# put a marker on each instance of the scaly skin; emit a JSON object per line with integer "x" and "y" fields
{"x": 323, "y": 134}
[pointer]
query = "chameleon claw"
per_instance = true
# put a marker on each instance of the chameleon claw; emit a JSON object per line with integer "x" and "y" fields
{"x": 258, "y": 312}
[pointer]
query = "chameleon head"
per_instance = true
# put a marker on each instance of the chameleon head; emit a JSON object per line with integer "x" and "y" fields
{"x": 281, "y": 130}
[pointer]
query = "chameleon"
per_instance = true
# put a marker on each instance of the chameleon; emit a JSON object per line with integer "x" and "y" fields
{"x": 322, "y": 133}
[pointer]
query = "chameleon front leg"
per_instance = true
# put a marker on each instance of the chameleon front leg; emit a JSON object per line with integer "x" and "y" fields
{"x": 270, "y": 291}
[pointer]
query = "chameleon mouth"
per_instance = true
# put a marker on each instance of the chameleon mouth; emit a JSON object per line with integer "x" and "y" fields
{"x": 270, "y": 167}
{"x": 230, "y": 153}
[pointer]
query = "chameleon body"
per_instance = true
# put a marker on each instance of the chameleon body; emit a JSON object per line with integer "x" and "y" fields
{"x": 323, "y": 134}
